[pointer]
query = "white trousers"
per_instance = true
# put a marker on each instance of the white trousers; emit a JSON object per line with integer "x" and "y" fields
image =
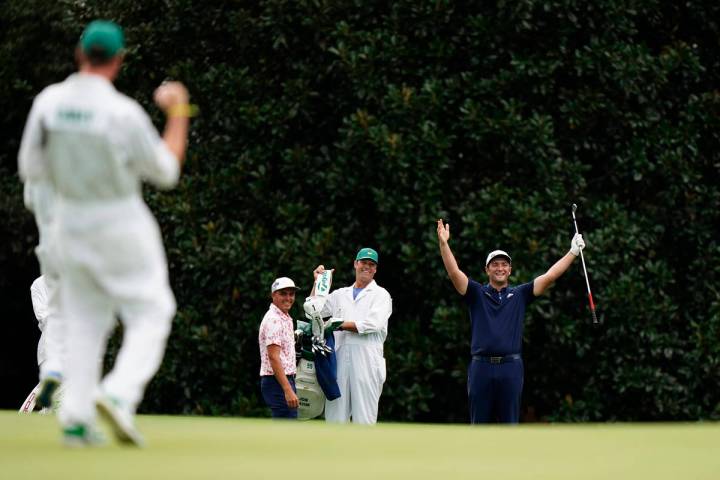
{"x": 361, "y": 375}
{"x": 108, "y": 269}
{"x": 51, "y": 347}
{"x": 51, "y": 344}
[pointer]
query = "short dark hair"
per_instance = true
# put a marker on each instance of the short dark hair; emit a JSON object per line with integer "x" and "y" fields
{"x": 98, "y": 56}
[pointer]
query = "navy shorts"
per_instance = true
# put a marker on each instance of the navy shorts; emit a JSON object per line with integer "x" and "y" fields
{"x": 494, "y": 391}
{"x": 274, "y": 396}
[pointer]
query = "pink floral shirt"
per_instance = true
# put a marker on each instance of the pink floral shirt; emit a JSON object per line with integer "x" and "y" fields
{"x": 277, "y": 329}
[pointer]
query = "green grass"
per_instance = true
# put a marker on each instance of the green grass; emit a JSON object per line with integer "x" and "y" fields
{"x": 209, "y": 448}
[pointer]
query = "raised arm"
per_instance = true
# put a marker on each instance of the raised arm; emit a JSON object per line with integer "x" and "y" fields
{"x": 319, "y": 270}
{"x": 172, "y": 98}
{"x": 544, "y": 281}
{"x": 31, "y": 161}
{"x": 457, "y": 277}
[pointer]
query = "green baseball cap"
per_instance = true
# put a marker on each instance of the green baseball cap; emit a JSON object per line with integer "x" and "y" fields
{"x": 102, "y": 38}
{"x": 367, "y": 254}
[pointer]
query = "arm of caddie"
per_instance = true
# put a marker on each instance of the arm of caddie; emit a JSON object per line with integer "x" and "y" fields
{"x": 334, "y": 323}
{"x": 31, "y": 161}
{"x": 376, "y": 319}
{"x": 348, "y": 326}
{"x": 172, "y": 98}
{"x": 319, "y": 270}
{"x": 457, "y": 277}
{"x": 28, "y": 195}
{"x": 544, "y": 281}
{"x": 39, "y": 303}
{"x": 274, "y": 355}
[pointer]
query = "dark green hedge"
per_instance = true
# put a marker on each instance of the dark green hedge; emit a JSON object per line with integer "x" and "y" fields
{"x": 329, "y": 125}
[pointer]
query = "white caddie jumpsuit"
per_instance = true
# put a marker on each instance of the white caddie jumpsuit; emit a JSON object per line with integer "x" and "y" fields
{"x": 361, "y": 367}
{"x": 39, "y": 297}
{"x": 39, "y": 198}
{"x": 50, "y": 349}
{"x": 95, "y": 146}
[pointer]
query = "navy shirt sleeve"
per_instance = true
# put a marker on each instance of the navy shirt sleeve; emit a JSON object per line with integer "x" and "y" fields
{"x": 526, "y": 290}
{"x": 473, "y": 292}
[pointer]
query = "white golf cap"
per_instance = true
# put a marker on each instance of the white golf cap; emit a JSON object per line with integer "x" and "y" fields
{"x": 497, "y": 253}
{"x": 282, "y": 282}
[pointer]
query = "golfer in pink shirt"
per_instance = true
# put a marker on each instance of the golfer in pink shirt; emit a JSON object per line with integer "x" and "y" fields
{"x": 277, "y": 351}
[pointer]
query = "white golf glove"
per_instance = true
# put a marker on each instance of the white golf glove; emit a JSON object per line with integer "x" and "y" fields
{"x": 577, "y": 244}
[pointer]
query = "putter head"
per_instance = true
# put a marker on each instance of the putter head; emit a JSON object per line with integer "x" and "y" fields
{"x": 574, "y": 207}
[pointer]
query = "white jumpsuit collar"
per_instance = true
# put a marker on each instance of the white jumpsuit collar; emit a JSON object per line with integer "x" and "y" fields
{"x": 369, "y": 288}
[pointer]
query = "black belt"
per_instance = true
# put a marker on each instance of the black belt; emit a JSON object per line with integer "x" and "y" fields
{"x": 497, "y": 358}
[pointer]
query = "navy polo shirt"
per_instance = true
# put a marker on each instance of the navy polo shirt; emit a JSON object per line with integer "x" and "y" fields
{"x": 497, "y": 318}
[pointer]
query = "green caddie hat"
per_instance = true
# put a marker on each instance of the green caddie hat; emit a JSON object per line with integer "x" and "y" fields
{"x": 367, "y": 254}
{"x": 102, "y": 38}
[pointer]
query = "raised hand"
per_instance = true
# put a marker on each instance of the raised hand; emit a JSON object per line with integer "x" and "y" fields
{"x": 577, "y": 244}
{"x": 318, "y": 271}
{"x": 170, "y": 94}
{"x": 443, "y": 232}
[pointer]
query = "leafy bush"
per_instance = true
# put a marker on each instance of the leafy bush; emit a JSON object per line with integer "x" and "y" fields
{"x": 327, "y": 126}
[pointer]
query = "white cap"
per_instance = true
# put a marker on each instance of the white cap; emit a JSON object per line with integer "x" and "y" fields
{"x": 497, "y": 253}
{"x": 282, "y": 282}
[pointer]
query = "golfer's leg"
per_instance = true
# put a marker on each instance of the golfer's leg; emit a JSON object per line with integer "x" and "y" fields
{"x": 510, "y": 385}
{"x": 480, "y": 392}
{"x": 274, "y": 397}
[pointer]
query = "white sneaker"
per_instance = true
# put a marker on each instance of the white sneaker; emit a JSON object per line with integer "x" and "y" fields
{"x": 120, "y": 419}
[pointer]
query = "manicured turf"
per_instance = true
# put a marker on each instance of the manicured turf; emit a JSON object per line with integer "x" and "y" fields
{"x": 233, "y": 448}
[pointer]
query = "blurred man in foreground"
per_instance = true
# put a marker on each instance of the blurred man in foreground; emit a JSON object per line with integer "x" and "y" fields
{"x": 95, "y": 146}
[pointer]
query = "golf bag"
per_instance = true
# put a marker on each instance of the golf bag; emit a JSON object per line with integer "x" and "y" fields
{"x": 316, "y": 377}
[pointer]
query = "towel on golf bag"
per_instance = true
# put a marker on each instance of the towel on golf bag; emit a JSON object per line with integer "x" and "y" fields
{"x": 326, "y": 370}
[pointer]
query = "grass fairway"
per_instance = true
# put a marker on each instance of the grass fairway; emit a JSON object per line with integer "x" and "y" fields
{"x": 209, "y": 448}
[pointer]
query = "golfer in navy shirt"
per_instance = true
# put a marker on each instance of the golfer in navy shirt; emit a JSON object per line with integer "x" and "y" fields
{"x": 497, "y": 314}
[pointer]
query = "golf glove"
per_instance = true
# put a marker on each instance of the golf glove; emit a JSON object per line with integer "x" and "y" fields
{"x": 577, "y": 244}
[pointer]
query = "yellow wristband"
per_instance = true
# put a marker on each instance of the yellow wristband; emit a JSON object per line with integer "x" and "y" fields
{"x": 182, "y": 110}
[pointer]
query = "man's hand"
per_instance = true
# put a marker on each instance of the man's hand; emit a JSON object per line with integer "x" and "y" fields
{"x": 457, "y": 277}
{"x": 169, "y": 94}
{"x": 173, "y": 98}
{"x": 318, "y": 271}
{"x": 577, "y": 244}
{"x": 443, "y": 232}
{"x": 291, "y": 399}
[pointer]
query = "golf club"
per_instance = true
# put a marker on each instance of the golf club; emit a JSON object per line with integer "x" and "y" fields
{"x": 587, "y": 281}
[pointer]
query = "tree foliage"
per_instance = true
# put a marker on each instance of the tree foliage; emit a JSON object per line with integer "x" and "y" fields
{"x": 326, "y": 126}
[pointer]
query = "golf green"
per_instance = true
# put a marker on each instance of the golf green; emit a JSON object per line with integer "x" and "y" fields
{"x": 208, "y": 448}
